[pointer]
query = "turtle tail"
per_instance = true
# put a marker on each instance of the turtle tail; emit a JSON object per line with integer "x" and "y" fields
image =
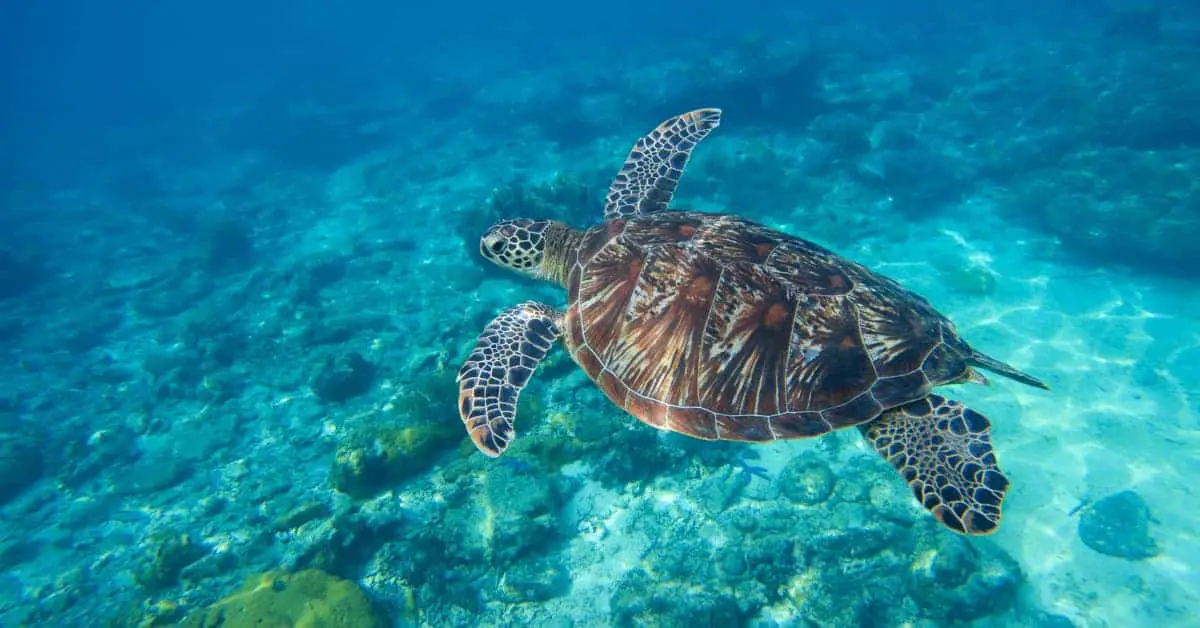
{"x": 996, "y": 366}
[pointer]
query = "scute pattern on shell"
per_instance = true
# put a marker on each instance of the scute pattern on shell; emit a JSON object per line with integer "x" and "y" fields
{"x": 719, "y": 327}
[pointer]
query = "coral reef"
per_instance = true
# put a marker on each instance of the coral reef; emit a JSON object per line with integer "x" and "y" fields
{"x": 566, "y": 197}
{"x": 958, "y": 581}
{"x": 21, "y": 463}
{"x": 807, "y": 480}
{"x": 167, "y": 554}
{"x": 376, "y": 460}
{"x": 87, "y": 456}
{"x": 339, "y": 379}
{"x": 412, "y": 429}
{"x": 20, "y": 272}
{"x": 535, "y": 580}
{"x": 276, "y": 598}
{"x": 503, "y": 519}
{"x": 1122, "y": 205}
{"x": 228, "y": 246}
{"x": 230, "y": 344}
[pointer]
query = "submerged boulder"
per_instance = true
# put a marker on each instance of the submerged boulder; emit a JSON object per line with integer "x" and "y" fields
{"x": 807, "y": 481}
{"x": 341, "y": 379}
{"x": 19, "y": 273}
{"x": 1119, "y": 525}
{"x": 20, "y": 465}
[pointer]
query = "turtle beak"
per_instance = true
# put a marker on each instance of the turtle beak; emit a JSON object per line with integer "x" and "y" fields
{"x": 490, "y": 246}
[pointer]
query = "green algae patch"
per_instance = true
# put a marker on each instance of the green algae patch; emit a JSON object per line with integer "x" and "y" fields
{"x": 403, "y": 439}
{"x": 376, "y": 460}
{"x": 305, "y": 599}
{"x": 169, "y": 552}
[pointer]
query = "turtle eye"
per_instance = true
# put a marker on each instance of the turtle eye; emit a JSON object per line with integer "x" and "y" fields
{"x": 498, "y": 246}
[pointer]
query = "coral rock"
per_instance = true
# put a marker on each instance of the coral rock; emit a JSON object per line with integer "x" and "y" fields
{"x": 276, "y": 598}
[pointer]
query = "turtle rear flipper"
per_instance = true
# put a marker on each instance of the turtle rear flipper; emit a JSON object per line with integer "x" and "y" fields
{"x": 1000, "y": 368}
{"x": 943, "y": 450}
{"x": 505, "y": 355}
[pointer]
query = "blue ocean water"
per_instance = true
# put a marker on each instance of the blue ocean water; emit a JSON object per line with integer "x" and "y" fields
{"x": 240, "y": 270}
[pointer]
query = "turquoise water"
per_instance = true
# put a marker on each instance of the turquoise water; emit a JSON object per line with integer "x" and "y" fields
{"x": 240, "y": 270}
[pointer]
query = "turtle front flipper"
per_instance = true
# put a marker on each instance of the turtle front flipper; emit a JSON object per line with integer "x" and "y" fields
{"x": 651, "y": 172}
{"x": 505, "y": 355}
{"x": 943, "y": 450}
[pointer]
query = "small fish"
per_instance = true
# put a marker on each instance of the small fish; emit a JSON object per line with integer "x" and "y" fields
{"x": 517, "y": 465}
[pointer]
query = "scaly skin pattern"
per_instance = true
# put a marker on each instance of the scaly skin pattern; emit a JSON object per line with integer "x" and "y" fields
{"x": 505, "y": 356}
{"x": 943, "y": 449}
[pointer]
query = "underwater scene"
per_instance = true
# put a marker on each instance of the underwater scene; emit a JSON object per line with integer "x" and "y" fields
{"x": 770, "y": 314}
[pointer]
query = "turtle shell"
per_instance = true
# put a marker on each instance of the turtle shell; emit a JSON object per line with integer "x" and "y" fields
{"x": 720, "y": 328}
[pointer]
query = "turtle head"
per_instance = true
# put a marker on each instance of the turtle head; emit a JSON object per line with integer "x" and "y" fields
{"x": 518, "y": 245}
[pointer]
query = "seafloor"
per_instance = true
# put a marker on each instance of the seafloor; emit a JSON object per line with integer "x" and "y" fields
{"x": 230, "y": 349}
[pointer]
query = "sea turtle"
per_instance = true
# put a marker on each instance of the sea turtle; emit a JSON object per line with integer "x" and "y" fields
{"x": 719, "y": 328}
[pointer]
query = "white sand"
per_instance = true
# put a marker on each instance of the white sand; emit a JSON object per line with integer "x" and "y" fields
{"x": 1120, "y": 353}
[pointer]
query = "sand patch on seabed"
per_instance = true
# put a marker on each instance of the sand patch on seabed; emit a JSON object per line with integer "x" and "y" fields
{"x": 1121, "y": 355}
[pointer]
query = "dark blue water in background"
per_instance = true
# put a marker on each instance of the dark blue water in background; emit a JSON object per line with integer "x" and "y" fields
{"x": 239, "y": 271}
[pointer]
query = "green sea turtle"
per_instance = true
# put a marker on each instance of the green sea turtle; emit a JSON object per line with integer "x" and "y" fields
{"x": 719, "y": 328}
